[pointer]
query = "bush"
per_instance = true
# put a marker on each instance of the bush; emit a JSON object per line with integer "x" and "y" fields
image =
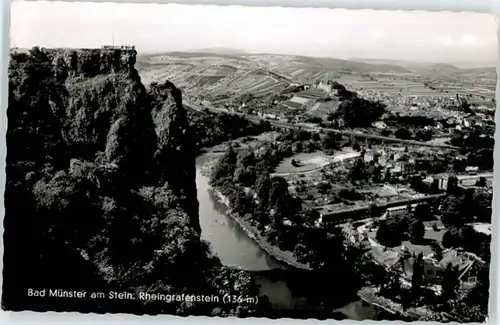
{"x": 389, "y": 233}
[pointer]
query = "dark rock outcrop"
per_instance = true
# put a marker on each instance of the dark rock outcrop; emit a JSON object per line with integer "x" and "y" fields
{"x": 92, "y": 62}
{"x": 108, "y": 182}
{"x": 176, "y": 154}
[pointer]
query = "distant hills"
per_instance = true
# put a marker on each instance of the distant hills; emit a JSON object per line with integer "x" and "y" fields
{"x": 219, "y": 50}
{"x": 407, "y": 64}
{"x": 469, "y": 65}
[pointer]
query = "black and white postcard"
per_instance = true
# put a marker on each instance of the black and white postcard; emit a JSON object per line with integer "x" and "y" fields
{"x": 235, "y": 161}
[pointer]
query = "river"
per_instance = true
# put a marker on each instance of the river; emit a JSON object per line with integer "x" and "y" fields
{"x": 227, "y": 240}
{"x": 234, "y": 248}
{"x": 232, "y": 245}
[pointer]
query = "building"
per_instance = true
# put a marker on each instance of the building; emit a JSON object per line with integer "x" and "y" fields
{"x": 471, "y": 169}
{"x": 467, "y": 264}
{"x": 400, "y": 260}
{"x": 437, "y": 182}
{"x": 369, "y": 156}
{"x": 325, "y": 86}
{"x": 118, "y": 47}
{"x": 292, "y": 105}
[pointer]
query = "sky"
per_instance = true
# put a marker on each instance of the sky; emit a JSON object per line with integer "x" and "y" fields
{"x": 448, "y": 37}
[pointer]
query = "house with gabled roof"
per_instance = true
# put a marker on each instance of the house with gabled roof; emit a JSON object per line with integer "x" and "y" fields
{"x": 399, "y": 260}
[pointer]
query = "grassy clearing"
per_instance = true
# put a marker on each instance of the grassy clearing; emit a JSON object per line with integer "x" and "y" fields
{"x": 308, "y": 162}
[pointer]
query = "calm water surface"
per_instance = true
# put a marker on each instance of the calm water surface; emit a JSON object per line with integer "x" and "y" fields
{"x": 227, "y": 240}
{"x": 234, "y": 248}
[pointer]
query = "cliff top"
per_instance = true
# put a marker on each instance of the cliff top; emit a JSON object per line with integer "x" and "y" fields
{"x": 87, "y": 62}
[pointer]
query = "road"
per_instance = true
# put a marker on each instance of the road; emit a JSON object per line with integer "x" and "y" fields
{"x": 310, "y": 127}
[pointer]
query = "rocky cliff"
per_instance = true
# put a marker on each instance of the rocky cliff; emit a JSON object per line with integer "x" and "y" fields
{"x": 102, "y": 171}
{"x": 92, "y": 62}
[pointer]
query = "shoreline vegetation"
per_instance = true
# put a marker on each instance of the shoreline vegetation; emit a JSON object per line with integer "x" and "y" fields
{"x": 279, "y": 255}
{"x": 250, "y": 230}
{"x": 100, "y": 164}
{"x": 107, "y": 193}
{"x": 327, "y": 268}
{"x": 260, "y": 203}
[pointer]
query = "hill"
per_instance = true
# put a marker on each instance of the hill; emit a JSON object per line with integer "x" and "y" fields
{"x": 100, "y": 191}
{"x": 219, "y": 50}
{"x": 184, "y": 55}
{"x": 423, "y": 68}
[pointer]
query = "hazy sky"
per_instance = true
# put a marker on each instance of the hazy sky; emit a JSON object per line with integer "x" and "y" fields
{"x": 399, "y": 35}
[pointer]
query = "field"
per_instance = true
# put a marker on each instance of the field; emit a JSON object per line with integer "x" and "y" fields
{"x": 307, "y": 162}
{"x": 226, "y": 79}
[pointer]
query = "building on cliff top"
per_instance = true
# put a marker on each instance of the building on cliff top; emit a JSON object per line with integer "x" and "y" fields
{"x": 118, "y": 47}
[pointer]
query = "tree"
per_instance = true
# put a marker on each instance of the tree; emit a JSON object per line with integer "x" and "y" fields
{"x": 378, "y": 277}
{"x": 450, "y": 208}
{"x": 423, "y": 135}
{"x": 438, "y": 317}
{"x": 465, "y": 106}
{"x": 263, "y": 186}
{"x": 459, "y": 165}
{"x": 358, "y": 171}
{"x": 417, "y": 277}
{"x": 452, "y": 185}
{"x": 451, "y": 238}
{"x": 374, "y": 211}
{"x": 241, "y": 202}
{"x": 225, "y": 168}
{"x": 417, "y": 231}
{"x": 450, "y": 282}
{"x": 386, "y": 132}
{"x": 356, "y": 146}
{"x": 245, "y": 175}
{"x": 416, "y": 183}
{"x": 479, "y": 295}
{"x": 394, "y": 287}
{"x": 435, "y": 227}
{"x": 350, "y": 194}
{"x": 359, "y": 112}
{"x": 389, "y": 233}
{"x": 377, "y": 174}
{"x": 358, "y": 264}
{"x": 481, "y": 182}
{"x": 403, "y": 134}
{"x": 423, "y": 212}
{"x": 324, "y": 187}
{"x": 330, "y": 141}
{"x": 482, "y": 201}
{"x": 438, "y": 250}
{"x": 297, "y": 147}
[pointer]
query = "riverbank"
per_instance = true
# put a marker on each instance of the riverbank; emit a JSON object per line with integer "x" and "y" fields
{"x": 396, "y": 310}
{"x": 285, "y": 257}
{"x": 240, "y": 243}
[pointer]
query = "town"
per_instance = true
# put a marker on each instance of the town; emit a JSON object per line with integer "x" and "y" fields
{"x": 399, "y": 159}
{"x": 249, "y": 162}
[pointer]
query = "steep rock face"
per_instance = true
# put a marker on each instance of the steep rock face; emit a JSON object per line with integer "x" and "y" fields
{"x": 92, "y": 62}
{"x": 110, "y": 113}
{"x": 175, "y": 154}
{"x": 108, "y": 182}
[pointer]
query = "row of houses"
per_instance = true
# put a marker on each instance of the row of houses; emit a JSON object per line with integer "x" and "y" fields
{"x": 400, "y": 260}
{"x": 464, "y": 182}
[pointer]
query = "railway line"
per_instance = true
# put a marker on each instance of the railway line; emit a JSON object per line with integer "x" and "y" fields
{"x": 310, "y": 127}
